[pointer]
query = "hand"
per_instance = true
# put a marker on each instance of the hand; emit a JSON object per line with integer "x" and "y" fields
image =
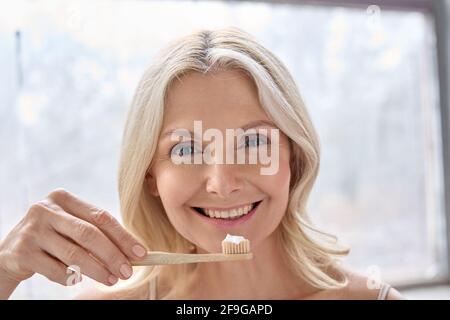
{"x": 61, "y": 231}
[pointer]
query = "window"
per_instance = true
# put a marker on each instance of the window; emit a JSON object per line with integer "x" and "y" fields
{"x": 367, "y": 74}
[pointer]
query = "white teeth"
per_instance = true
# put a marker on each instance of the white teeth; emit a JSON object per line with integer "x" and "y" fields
{"x": 228, "y": 214}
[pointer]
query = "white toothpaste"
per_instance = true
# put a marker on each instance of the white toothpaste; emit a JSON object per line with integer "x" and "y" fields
{"x": 234, "y": 239}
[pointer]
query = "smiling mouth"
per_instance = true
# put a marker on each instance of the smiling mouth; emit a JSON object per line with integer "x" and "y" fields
{"x": 228, "y": 214}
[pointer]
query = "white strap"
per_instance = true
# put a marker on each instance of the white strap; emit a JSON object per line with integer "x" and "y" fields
{"x": 384, "y": 290}
{"x": 152, "y": 289}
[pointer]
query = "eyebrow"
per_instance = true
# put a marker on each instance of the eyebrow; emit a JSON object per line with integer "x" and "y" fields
{"x": 253, "y": 124}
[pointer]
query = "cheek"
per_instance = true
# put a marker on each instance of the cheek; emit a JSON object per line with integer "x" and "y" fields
{"x": 277, "y": 185}
{"x": 175, "y": 186}
{"x": 277, "y": 189}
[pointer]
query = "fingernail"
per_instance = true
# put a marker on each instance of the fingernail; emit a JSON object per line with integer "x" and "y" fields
{"x": 139, "y": 251}
{"x": 125, "y": 270}
{"x": 112, "y": 279}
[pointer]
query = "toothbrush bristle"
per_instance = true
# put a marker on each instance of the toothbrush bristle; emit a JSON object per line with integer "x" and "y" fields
{"x": 235, "y": 248}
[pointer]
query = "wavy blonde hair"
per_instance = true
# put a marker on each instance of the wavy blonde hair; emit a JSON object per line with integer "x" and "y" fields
{"x": 308, "y": 251}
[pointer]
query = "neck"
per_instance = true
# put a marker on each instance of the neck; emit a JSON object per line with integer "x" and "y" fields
{"x": 266, "y": 276}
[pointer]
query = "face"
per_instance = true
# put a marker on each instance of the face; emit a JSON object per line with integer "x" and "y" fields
{"x": 191, "y": 193}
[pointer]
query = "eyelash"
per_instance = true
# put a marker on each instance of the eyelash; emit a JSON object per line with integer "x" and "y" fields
{"x": 192, "y": 145}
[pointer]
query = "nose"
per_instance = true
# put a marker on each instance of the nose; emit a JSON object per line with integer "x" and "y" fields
{"x": 222, "y": 180}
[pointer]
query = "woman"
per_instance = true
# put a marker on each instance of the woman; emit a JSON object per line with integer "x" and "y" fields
{"x": 225, "y": 80}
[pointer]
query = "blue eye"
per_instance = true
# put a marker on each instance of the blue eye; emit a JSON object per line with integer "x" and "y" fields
{"x": 255, "y": 140}
{"x": 181, "y": 150}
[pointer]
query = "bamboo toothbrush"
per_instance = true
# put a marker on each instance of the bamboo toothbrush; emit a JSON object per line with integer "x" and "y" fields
{"x": 233, "y": 248}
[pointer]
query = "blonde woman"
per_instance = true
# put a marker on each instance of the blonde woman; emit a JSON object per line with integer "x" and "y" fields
{"x": 226, "y": 80}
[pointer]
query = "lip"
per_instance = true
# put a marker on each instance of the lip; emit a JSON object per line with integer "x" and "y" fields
{"x": 229, "y": 223}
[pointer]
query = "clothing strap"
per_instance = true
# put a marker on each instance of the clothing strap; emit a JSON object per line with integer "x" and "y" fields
{"x": 384, "y": 290}
{"x": 152, "y": 289}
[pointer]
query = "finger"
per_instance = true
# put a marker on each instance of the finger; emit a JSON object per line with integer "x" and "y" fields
{"x": 51, "y": 268}
{"x": 73, "y": 255}
{"x": 103, "y": 220}
{"x": 94, "y": 241}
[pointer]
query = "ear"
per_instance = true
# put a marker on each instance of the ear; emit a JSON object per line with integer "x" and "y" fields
{"x": 151, "y": 184}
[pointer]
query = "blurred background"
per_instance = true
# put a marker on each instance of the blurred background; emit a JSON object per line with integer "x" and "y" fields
{"x": 374, "y": 76}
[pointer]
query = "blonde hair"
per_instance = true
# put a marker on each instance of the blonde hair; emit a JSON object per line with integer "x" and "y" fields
{"x": 309, "y": 252}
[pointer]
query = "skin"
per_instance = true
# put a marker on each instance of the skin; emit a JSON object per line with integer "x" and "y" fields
{"x": 228, "y": 99}
{"x": 63, "y": 230}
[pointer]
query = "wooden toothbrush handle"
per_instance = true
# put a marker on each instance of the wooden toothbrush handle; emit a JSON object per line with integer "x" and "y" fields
{"x": 160, "y": 258}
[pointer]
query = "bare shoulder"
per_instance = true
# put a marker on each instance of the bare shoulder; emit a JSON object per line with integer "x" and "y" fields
{"x": 394, "y": 295}
{"x": 97, "y": 293}
{"x": 92, "y": 293}
{"x": 360, "y": 287}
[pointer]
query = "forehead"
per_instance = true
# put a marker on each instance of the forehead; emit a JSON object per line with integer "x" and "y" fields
{"x": 220, "y": 96}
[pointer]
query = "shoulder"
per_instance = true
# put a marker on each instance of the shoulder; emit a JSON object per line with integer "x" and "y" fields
{"x": 394, "y": 295}
{"x": 95, "y": 294}
{"x": 361, "y": 287}
{"x": 122, "y": 293}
